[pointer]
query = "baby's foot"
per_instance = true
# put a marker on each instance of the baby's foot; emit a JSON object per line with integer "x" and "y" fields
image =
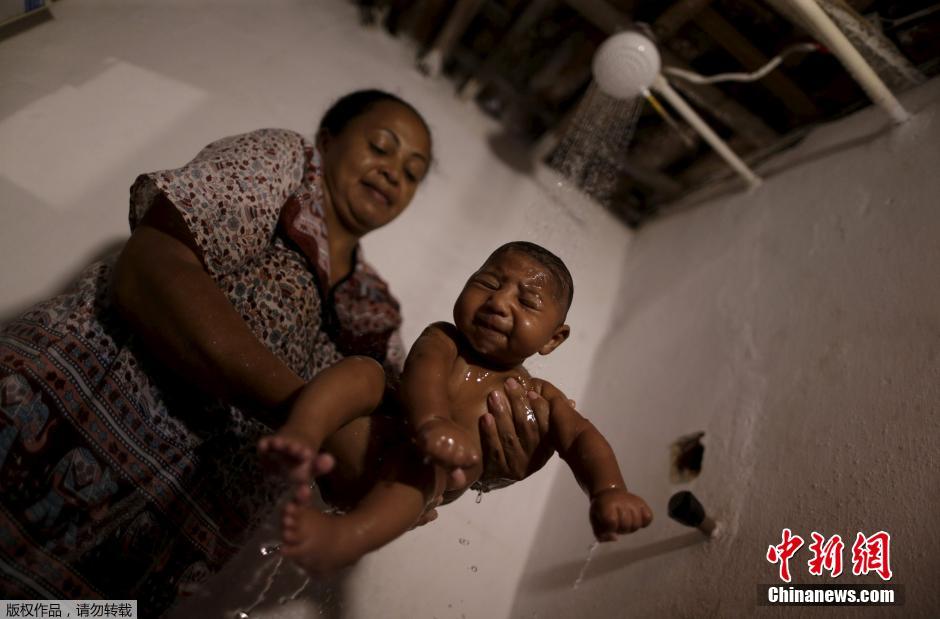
{"x": 288, "y": 457}
{"x": 317, "y": 542}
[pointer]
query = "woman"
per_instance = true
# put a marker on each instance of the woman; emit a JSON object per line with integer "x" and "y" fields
{"x": 130, "y": 406}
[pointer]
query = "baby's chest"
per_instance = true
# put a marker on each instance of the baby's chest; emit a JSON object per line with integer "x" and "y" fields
{"x": 468, "y": 389}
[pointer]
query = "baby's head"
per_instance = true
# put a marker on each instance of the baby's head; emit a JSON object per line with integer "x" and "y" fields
{"x": 515, "y": 305}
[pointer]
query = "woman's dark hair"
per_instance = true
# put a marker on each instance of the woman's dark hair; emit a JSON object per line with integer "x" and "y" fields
{"x": 356, "y": 104}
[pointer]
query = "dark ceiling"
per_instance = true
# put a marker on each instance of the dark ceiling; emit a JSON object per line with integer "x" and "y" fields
{"x": 528, "y": 63}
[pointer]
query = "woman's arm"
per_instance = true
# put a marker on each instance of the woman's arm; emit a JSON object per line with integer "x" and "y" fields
{"x": 162, "y": 289}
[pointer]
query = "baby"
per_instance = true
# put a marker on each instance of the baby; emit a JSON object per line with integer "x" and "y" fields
{"x": 513, "y": 307}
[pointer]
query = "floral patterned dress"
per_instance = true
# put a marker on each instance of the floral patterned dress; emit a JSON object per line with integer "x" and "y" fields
{"x": 116, "y": 479}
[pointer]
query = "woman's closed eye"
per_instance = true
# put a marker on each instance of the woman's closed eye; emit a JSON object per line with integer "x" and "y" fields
{"x": 377, "y": 149}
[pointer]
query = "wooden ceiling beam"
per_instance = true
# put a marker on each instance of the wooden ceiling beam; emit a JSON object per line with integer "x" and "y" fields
{"x": 605, "y": 17}
{"x": 752, "y": 59}
{"x": 709, "y": 167}
{"x": 676, "y": 16}
{"x": 502, "y": 55}
{"x": 880, "y": 52}
{"x": 720, "y": 106}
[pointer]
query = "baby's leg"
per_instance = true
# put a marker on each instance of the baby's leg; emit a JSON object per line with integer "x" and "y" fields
{"x": 321, "y": 543}
{"x": 349, "y": 389}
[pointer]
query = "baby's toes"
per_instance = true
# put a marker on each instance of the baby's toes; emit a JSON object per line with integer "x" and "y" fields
{"x": 297, "y": 450}
{"x": 290, "y": 524}
{"x": 302, "y": 494}
{"x": 322, "y": 464}
{"x": 265, "y": 445}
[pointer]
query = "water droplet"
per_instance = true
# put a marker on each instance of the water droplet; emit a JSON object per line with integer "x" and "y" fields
{"x": 464, "y": 542}
{"x": 274, "y": 568}
{"x": 587, "y": 562}
{"x": 296, "y": 594}
{"x": 269, "y": 549}
{"x": 473, "y": 568}
{"x": 591, "y": 149}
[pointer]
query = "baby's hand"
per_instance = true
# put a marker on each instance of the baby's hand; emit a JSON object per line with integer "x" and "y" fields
{"x": 447, "y": 444}
{"x": 616, "y": 511}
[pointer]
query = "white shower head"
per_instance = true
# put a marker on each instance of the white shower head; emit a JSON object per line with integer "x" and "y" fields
{"x": 626, "y": 64}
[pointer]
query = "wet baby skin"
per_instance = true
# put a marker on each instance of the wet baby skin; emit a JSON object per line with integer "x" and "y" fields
{"x": 513, "y": 307}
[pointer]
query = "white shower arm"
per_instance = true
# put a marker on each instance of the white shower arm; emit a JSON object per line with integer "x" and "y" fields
{"x": 685, "y": 110}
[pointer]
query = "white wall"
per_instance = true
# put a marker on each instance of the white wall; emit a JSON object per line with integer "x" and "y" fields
{"x": 108, "y": 90}
{"x": 798, "y": 326}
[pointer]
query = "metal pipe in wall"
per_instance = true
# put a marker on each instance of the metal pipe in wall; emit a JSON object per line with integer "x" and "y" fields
{"x": 839, "y": 44}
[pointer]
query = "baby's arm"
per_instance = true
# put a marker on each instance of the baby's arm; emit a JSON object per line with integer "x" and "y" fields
{"x": 427, "y": 406}
{"x": 591, "y": 459}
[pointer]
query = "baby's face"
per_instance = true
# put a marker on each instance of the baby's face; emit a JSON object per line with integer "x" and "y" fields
{"x": 510, "y": 309}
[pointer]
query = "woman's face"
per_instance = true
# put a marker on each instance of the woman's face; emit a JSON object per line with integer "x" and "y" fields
{"x": 373, "y": 167}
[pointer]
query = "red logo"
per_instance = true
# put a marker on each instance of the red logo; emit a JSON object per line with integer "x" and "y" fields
{"x": 869, "y": 554}
{"x": 872, "y": 554}
{"x": 781, "y": 553}
{"x": 827, "y": 555}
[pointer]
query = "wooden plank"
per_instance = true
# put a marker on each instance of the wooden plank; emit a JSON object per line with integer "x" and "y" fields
{"x": 736, "y": 44}
{"x": 502, "y": 55}
{"x": 676, "y": 16}
{"x": 607, "y": 18}
{"x": 462, "y": 13}
{"x": 719, "y": 105}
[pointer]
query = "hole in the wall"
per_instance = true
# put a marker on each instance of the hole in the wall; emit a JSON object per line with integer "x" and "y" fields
{"x": 686, "y": 455}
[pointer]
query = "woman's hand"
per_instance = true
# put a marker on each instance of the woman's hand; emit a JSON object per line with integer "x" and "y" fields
{"x": 515, "y": 426}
